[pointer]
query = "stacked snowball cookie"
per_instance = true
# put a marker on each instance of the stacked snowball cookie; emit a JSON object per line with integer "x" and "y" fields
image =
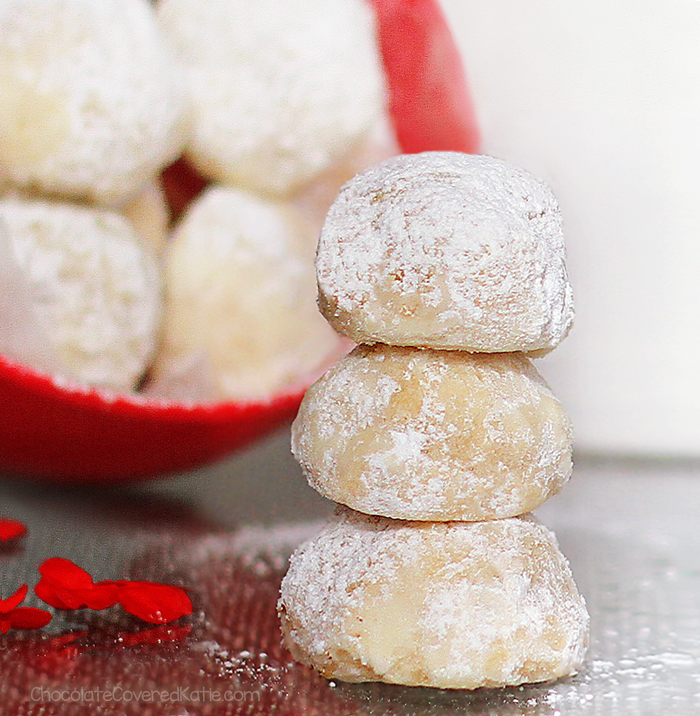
{"x": 437, "y": 436}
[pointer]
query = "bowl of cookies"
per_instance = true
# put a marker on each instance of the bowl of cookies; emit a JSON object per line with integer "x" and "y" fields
{"x": 165, "y": 172}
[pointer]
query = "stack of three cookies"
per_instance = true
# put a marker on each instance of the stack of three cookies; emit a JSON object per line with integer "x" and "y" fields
{"x": 437, "y": 435}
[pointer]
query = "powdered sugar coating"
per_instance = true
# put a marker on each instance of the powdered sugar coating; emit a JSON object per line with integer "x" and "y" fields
{"x": 433, "y": 435}
{"x": 446, "y": 250}
{"x": 241, "y": 298}
{"x": 448, "y": 605}
{"x": 93, "y": 103}
{"x": 280, "y": 90}
{"x": 94, "y": 290}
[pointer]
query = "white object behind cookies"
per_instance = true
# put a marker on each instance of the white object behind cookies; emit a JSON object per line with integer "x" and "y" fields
{"x": 602, "y": 101}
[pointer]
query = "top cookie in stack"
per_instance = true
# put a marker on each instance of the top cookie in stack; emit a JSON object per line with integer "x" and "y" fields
{"x": 448, "y": 251}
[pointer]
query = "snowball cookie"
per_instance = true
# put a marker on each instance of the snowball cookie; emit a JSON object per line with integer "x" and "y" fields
{"x": 279, "y": 89}
{"x": 453, "y": 605}
{"x": 446, "y": 250}
{"x": 433, "y": 435}
{"x": 91, "y": 102}
{"x": 241, "y": 298}
{"x": 93, "y": 289}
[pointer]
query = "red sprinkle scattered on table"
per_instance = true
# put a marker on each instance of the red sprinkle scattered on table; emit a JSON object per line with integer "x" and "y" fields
{"x": 64, "y": 585}
{"x": 11, "y": 529}
{"x": 12, "y": 616}
{"x": 154, "y": 602}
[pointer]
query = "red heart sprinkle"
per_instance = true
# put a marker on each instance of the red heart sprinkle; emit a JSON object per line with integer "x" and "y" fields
{"x": 13, "y": 616}
{"x": 11, "y": 529}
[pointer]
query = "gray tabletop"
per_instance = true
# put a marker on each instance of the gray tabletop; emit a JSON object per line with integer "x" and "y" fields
{"x": 629, "y": 528}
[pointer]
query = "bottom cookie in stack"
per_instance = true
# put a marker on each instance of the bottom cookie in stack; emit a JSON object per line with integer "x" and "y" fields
{"x": 448, "y": 605}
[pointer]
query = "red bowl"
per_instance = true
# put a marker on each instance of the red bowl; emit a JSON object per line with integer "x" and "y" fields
{"x": 82, "y": 435}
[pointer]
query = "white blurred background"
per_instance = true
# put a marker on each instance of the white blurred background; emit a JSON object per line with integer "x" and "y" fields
{"x": 601, "y": 99}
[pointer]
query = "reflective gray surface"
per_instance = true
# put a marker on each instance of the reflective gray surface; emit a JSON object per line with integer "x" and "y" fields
{"x": 629, "y": 528}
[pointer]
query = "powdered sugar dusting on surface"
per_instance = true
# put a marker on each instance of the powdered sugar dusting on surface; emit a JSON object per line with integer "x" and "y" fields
{"x": 446, "y": 250}
{"x": 453, "y": 605}
{"x": 433, "y": 435}
{"x": 264, "y": 550}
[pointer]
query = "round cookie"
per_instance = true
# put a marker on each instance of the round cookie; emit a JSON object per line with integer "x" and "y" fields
{"x": 449, "y": 251}
{"x": 241, "y": 300}
{"x": 433, "y": 435}
{"x": 93, "y": 104}
{"x": 90, "y": 286}
{"x": 280, "y": 90}
{"x": 457, "y": 605}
